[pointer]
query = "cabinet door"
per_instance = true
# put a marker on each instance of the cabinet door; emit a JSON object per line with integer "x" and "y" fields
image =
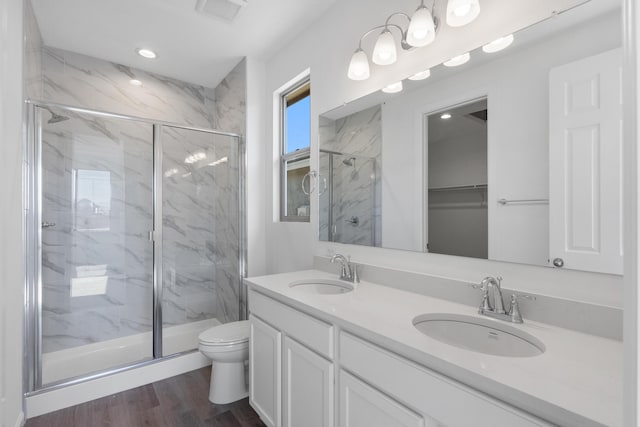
{"x": 308, "y": 387}
{"x": 585, "y": 163}
{"x": 364, "y": 406}
{"x": 265, "y": 360}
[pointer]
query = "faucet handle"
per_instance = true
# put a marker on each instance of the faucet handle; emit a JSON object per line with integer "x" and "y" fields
{"x": 355, "y": 275}
{"x": 514, "y": 310}
{"x": 485, "y": 305}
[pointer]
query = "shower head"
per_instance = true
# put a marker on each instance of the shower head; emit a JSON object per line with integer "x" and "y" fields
{"x": 56, "y": 118}
{"x": 351, "y": 161}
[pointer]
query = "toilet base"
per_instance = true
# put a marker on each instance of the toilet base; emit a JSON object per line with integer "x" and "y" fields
{"x": 227, "y": 382}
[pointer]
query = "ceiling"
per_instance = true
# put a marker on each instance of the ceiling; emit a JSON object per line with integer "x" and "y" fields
{"x": 191, "y": 46}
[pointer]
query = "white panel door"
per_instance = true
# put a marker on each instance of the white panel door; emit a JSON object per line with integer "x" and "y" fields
{"x": 364, "y": 406}
{"x": 308, "y": 387}
{"x": 265, "y": 360}
{"x": 585, "y": 165}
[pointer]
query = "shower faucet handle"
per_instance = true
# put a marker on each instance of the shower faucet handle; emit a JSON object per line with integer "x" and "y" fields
{"x": 46, "y": 224}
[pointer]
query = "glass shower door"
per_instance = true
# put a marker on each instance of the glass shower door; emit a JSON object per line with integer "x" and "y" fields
{"x": 96, "y": 258}
{"x": 347, "y": 207}
{"x": 201, "y": 234}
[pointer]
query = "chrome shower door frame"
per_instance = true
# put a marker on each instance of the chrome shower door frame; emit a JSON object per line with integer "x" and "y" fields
{"x": 32, "y": 232}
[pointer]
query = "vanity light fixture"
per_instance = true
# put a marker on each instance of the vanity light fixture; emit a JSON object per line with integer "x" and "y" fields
{"x": 384, "y": 52}
{"x": 421, "y": 31}
{"x": 359, "y": 66}
{"x": 421, "y": 75}
{"x": 146, "y": 53}
{"x": 393, "y": 87}
{"x": 462, "y": 12}
{"x": 498, "y": 44}
{"x": 135, "y": 82}
{"x": 445, "y": 116}
{"x": 457, "y": 60}
{"x": 422, "y": 27}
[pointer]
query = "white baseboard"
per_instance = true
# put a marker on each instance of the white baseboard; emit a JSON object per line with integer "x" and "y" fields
{"x": 54, "y": 400}
{"x": 20, "y": 420}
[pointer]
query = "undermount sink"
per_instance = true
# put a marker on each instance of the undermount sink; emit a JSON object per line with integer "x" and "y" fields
{"x": 322, "y": 286}
{"x": 477, "y": 334}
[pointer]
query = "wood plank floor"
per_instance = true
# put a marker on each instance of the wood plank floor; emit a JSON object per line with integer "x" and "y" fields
{"x": 177, "y": 401}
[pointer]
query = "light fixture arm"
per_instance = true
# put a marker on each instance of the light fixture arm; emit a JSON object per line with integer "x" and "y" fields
{"x": 403, "y": 33}
{"x": 397, "y": 14}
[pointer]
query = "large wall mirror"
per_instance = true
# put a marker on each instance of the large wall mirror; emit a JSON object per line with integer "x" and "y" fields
{"x": 513, "y": 156}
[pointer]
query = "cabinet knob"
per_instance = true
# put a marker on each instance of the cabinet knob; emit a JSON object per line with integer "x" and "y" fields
{"x": 558, "y": 262}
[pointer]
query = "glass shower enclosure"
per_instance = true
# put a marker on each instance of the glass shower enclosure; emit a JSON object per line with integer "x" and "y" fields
{"x": 134, "y": 240}
{"x": 347, "y": 198}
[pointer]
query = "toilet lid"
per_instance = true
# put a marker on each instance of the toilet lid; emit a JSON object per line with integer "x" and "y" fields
{"x": 227, "y": 333}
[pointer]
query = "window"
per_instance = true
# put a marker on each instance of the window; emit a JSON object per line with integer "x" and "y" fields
{"x": 295, "y": 136}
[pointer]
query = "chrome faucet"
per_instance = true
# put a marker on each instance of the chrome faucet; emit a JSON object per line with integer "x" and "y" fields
{"x": 348, "y": 270}
{"x": 494, "y": 293}
{"x": 492, "y": 304}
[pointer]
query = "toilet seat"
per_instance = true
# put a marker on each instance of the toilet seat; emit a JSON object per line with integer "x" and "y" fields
{"x": 228, "y": 334}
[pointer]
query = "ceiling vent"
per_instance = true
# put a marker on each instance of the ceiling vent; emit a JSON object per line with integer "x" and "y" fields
{"x": 227, "y": 10}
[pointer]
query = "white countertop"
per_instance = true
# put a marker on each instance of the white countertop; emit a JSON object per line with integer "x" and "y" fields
{"x": 576, "y": 381}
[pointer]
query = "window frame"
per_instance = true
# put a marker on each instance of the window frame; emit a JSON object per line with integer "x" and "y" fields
{"x": 285, "y": 157}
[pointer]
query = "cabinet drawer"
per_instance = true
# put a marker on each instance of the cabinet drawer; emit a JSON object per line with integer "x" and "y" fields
{"x": 364, "y": 406}
{"x": 308, "y": 330}
{"x": 434, "y": 395}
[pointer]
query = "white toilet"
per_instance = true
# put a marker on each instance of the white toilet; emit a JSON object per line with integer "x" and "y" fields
{"x": 227, "y": 346}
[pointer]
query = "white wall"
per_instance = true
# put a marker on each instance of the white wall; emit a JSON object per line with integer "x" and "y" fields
{"x": 631, "y": 100}
{"x": 11, "y": 261}
{"x": 257, "y": 146}
{"x": 326, "y": 47}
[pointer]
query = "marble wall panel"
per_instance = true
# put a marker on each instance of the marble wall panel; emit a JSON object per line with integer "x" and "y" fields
{"x": 97, "y": 259}
{"x": 201, "y": 226}
{"x": 83, "y": 81}
{"x": 356, "y": 189}
{"x": 230, "y": 100}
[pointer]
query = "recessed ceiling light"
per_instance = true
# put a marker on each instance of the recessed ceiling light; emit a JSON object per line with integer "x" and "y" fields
{"x": 498, "y": 44}
{"x": 135, "y": 82}
{"x": 421, "y": 75}
{"x": 458, "y": 60}
{"x": 393, "y": 87}
{"x": 445, "y": 116}
{"x": 147, "y": 53}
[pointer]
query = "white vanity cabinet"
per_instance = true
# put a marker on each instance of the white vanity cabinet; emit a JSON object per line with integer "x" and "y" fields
{"x": 308, "y": 387}
{"x": 440, "y": 400}
{"x": 291, "y": 365}
{"x": 371, "y": 385}
{"x": 265, "y": 379}
{"x": 364, "y": 406}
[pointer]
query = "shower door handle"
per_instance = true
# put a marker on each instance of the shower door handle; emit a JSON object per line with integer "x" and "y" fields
{"x": 46, "y": 224}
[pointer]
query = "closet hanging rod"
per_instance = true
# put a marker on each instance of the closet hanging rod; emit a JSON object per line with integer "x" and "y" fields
{"x": 460, "y": 187}
{"x": 514, "y": 201}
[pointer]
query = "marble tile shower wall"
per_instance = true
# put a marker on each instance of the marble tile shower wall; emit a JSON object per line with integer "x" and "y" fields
{"x": 230, "y": 100}
{"x": 97, "y": 258}
{"x": 201, "y": 274}
{"x": 358, "y": 135}
{"x": 201, "y": 227}
{"x": 83, "y": 81}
